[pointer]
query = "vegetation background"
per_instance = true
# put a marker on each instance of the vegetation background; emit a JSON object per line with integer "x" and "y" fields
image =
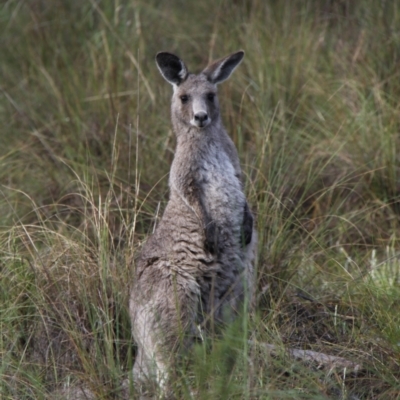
{"x": 85, "y": 150}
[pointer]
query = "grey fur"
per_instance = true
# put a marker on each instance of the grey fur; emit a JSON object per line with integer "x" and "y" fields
{"x": 197, "y": 268}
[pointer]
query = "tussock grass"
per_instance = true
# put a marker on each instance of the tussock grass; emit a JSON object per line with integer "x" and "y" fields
{"x": 85, "y": 151}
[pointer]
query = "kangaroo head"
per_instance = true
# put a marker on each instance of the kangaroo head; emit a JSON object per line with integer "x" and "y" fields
{"x": 195, "y": 102}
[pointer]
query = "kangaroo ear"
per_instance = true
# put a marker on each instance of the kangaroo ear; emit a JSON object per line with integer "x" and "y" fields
{"x": 172, "y": 68}
{"x": 222, "y": 69}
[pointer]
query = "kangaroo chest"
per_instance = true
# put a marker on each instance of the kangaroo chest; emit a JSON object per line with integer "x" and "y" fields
{"x": 223, "y": 196}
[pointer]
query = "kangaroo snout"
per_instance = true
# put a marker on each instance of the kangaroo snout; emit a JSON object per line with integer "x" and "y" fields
{"x": 200, "y": 119}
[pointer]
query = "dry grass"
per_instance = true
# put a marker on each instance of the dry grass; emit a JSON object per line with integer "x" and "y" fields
{"x": 85, "y": 151}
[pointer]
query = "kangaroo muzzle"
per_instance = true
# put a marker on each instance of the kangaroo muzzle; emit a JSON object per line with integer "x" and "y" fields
{"x": 201, "y": 119}
{"x": 200, "y": 115}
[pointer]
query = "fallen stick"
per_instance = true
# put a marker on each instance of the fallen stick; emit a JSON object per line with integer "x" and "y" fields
{"x": 322, "y": 359}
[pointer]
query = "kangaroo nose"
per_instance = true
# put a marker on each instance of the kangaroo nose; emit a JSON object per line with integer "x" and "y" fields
{"x": 201, "y": 117}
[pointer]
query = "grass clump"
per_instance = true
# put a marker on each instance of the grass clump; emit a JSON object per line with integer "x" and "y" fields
{"x": 85, "y": 150}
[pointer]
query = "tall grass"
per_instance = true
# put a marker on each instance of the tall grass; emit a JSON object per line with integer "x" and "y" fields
{"x": 85, "y": 149}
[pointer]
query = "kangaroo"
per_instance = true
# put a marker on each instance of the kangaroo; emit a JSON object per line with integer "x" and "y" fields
{"x": 197, "y": 268}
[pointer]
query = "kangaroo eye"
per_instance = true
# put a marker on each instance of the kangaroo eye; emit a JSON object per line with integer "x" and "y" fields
{"x": 211, "y": 96}
{"x": 184, "y": 98}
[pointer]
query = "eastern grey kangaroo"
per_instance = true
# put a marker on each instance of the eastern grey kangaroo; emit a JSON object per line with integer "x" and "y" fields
{"x": 197, "y": 268}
